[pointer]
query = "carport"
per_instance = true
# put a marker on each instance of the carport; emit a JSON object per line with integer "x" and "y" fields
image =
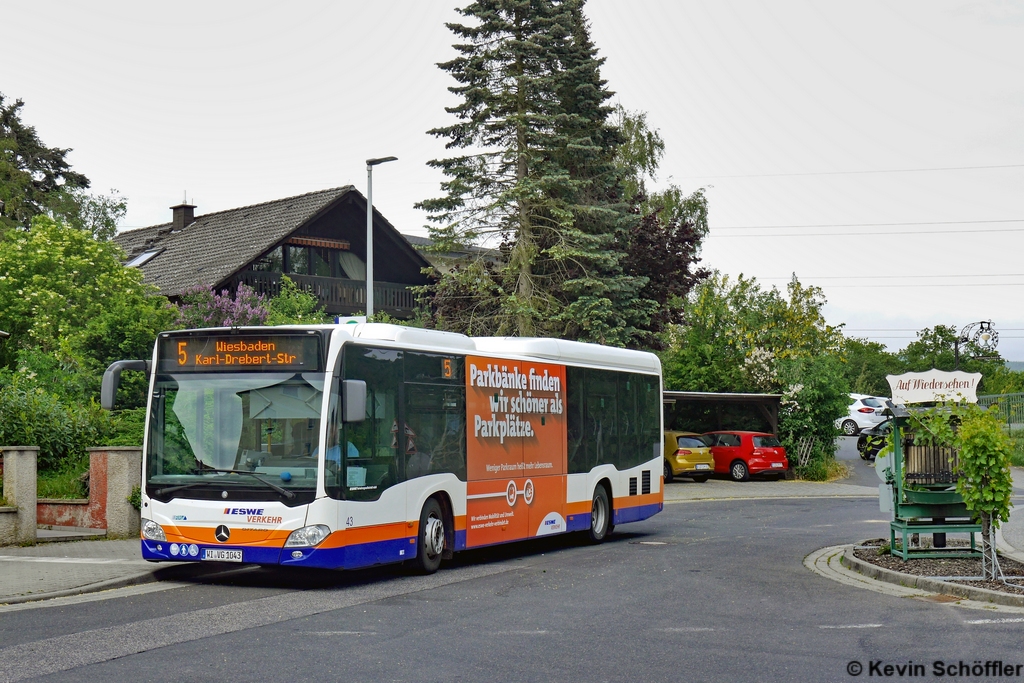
{"x": 705, "y": 411}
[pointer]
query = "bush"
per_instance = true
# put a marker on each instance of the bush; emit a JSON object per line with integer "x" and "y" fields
{"x": 815, "y": 396}
{"x": 126, "y": 428}
{"x": 822, "y": 468}
{"x": 31, "y": 416}
{"x": 1017, "y": 455}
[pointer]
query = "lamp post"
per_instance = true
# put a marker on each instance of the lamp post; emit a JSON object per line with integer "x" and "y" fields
{"x": 370, "y": 163}
{"x": 980, "y": 333}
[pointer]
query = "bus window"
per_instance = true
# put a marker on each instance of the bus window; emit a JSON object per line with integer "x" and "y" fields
{"x": 371, "y": 463}
{"x": 435, "y": 438}
{"x": 577, "y": 453}
{"x": 627, "y": 421}
{"x": 600, "y": 431}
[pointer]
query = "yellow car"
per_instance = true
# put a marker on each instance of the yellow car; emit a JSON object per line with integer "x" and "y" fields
{"x": 687, "y": 455}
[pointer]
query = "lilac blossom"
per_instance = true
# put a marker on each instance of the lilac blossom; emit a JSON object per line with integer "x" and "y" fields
{"x": 201, "y": 306}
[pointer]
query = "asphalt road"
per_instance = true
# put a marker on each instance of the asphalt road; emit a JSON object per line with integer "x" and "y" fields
{"x": 705, "y": 591}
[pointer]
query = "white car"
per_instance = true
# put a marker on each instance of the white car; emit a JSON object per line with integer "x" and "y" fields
{"x": 865, "y": 411}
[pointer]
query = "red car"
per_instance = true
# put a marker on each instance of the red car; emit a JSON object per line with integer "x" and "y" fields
{"x": 742, "y": 454}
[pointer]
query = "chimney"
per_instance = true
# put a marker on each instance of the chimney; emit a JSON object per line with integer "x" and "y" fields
{"x": 183, "y": 216}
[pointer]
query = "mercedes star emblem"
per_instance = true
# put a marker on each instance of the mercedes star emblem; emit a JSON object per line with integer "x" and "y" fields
{"x": 222, "y": 533}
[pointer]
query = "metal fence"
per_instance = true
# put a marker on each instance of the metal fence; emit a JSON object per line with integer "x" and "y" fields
{"x": 1010, "y": 408}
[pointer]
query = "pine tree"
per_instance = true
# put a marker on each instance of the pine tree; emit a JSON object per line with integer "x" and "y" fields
{"x": 541, "y": 174}
{"x": 30, "y": 172}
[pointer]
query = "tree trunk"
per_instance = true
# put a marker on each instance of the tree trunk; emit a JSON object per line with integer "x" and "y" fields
{"x": 522, "y": 253}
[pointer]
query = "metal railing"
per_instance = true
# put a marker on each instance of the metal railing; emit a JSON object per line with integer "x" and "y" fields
{"x": 1010, "y": 408}
{"x": 337, "y": 294}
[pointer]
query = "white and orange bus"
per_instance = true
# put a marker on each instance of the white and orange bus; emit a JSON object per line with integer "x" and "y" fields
{"x": 345, "y": 446}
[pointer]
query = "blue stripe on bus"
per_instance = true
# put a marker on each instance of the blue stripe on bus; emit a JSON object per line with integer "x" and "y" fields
{"x": 352, "y": 556}
{"x": 636, "y": 513}
{"x": 578, "y": 522}
{"x": 253, "y": 555}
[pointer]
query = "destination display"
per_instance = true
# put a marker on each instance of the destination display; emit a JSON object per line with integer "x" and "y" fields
{"x": 277, "y": 353}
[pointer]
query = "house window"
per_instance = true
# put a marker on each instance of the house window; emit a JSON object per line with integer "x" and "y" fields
{"x": 298, "y": 260}
{"x": 319, "y": 261}
{"x": 269, "y": 262}
{"x": 143, "y": 258}
{"x": 348, "y": 265}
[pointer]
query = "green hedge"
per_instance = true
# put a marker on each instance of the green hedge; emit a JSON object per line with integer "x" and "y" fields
{"x": 31, "y": 416}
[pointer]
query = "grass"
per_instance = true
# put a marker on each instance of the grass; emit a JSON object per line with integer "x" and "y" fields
{"x": 64, "y": 483}
{"x": 823, "y": 469}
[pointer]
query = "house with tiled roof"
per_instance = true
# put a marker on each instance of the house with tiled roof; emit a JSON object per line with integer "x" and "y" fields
{"x": 316, "y": 239}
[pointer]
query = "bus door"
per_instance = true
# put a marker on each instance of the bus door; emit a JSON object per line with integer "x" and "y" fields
{"x": 372, "y": 453}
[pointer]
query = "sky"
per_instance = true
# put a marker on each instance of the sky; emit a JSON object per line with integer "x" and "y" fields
{"x": 874, "y": 149}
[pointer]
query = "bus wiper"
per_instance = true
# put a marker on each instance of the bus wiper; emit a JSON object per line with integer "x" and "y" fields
{"x": 206, "y": 468}
{"x": 170, "y": 489}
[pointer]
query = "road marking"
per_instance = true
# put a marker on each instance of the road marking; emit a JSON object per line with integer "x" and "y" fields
{"x": 687, "y": 629}
{"x": 63, "y": 653}
{"x": 521, "y": 633}
{"x": 854, "y": 626}
{"x": 338, "y": 633}
{"x": 1008, "y": 620}
{"x": 653, "y": 543}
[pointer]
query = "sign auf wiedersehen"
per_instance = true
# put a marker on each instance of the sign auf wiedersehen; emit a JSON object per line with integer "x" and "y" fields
{"x": 935, "y": 385}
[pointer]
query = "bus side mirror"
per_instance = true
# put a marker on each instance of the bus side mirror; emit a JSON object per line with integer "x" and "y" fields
{"x": 112, "y": 378}
{"x": 353, "y": 400}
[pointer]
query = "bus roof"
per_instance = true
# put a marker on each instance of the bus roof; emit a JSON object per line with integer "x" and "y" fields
{"x": 554, "y": 350}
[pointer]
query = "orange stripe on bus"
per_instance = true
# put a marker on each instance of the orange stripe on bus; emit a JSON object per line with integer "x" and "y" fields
{"x": 273, "y": 538}
{"x": 637, "y": 501}
{"x": 371, "y": 534}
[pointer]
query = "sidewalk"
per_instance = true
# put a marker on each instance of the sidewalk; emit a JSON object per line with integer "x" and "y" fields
{"x": 51, "y": 570}
{"x": 721, "y": 489}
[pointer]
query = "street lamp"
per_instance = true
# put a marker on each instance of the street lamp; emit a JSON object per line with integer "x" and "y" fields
{"x": 370, "y": 163}
{"x": 981, "y": 334}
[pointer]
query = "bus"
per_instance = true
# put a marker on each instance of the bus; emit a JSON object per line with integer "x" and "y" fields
{"x": 351, "y": 445}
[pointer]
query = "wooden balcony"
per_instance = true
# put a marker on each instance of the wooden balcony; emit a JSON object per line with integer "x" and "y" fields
{"x": 339, "y": 296}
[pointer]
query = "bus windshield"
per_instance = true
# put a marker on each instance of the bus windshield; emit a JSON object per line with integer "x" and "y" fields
{"x": 251, "y": 436}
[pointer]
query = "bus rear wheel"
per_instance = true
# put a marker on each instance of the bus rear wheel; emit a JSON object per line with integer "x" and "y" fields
{"x": 431, "y": 537}
{"x": 600, "y": 515}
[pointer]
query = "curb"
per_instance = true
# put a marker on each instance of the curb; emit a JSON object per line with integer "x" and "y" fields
{"x": 149, "y": 576}
{"x": 929, "y": 584}
{"x": 120, "y": 582}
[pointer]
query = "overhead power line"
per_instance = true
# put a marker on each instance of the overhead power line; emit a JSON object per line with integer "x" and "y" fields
{"x": 869, "y": 234}
{"x": 809, "y": 278}
{"x": 888, "y": 170}
{"x": 902, "y": 224}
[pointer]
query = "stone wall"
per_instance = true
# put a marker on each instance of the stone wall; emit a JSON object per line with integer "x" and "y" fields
{"x": 113, "y": 473}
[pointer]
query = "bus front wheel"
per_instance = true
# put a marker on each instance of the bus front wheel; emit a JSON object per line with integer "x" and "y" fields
{"x": 600, "y": 515}
{"x": 431, "y": 540}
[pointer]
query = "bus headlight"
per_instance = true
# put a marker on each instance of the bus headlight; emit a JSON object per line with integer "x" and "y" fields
{"x": 153, "y": 531}
{"x": 308, "y": 536}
